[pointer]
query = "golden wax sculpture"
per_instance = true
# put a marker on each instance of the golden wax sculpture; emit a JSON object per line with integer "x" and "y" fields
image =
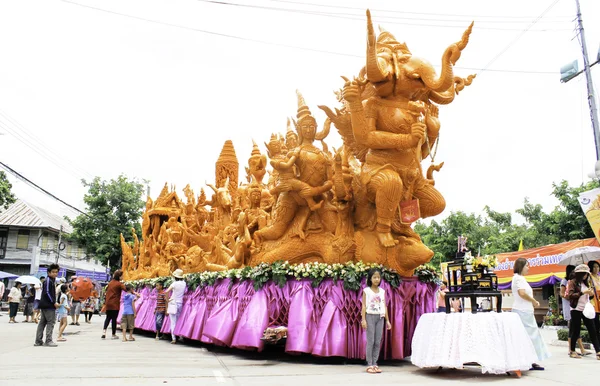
{"x": 356, "y": 203}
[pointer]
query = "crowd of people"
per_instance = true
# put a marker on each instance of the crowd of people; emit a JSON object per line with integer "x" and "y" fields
{"x": 52, "y": 301}
{"x": 169, "y": 302}
{"x": 580, "y": 292}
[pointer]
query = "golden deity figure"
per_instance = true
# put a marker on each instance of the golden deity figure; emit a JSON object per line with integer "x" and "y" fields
{"x": 276, "y": 152}
{"x": 222, "y": 203}
{"x": 313, "y": 176}
{"x": 356, "y": 203}
{"x": 390, "y": 121}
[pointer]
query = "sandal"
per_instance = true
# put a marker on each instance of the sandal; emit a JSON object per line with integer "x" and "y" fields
{"x": 535, "y": 366}
{"x": 371, "y": 370}
{"x": 377, "y": 369}
{"x": 598, "y": 356}
{"x": 574, "y": 355}
{"x": 61, "y": 340}
{"x": 131, "y": 339}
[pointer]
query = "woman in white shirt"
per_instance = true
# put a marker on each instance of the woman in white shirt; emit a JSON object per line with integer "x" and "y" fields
{"x": 14, "y": 299}
{"x": 523, "y": 306}
{"x": 175, "y": 293}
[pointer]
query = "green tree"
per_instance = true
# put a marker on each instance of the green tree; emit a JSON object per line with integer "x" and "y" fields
{"x": 564, "y": 223}
{"x": 6, "y": 196}
{"x": 113, "y": 207}
{"x": 442, "y": 237}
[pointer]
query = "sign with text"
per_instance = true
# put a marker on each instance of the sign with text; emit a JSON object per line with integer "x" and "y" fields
{"x": 97, "y": 276}
{"x": 542, "y": 260}
{"x": 43, "y": 271}
{"x": 590, "y": 204}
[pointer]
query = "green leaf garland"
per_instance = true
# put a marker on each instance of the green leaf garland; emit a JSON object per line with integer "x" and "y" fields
{"x": 280, "y": 272}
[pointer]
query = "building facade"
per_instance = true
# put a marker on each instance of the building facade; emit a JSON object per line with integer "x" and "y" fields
{"x": 29, "y": 242}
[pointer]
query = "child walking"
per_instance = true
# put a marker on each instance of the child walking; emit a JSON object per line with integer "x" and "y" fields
{"x": 161, "y": 308}
{"x": 62, "y": 311}
{"x": 128, "y": 317}
{"x": 374, "y": 312}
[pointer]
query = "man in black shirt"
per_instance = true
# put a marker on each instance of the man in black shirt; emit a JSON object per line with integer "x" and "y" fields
{"x": 48, "y": 306}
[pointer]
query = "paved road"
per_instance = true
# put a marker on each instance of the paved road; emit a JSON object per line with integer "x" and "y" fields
{"x": 87, "y": 358}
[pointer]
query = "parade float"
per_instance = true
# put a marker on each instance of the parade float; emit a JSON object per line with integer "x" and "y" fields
{"x": 286, "y": 257}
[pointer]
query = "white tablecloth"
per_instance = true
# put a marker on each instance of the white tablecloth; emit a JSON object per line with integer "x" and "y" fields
{"x": 498, "y": 342}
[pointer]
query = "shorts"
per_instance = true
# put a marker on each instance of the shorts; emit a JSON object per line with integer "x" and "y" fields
{"x": 60, "y": 316}
{"x": 127, "y": 322}
{"x": 75, "y": 308}
{"x": 36, "y": 304}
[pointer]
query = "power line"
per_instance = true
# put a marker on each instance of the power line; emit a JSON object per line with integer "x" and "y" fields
{"x": 39, "y": 147}
{"x": 409, "y": 12}
{"x": 22, "y": 177}
{"x": 33, "y": 147}
{"x": 280, "y": 44}
{"x": 358, "y": 17}
{"x": 519, "y": 36}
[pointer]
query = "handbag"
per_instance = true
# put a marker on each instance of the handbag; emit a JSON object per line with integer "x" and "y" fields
{"x": 589, "y": 311}
{"x": 172, "y": 308}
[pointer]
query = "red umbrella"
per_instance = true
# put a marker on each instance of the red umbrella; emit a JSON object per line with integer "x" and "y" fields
{"x": 81, "y": 288}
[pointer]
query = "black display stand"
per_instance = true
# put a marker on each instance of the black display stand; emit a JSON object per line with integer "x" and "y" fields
{"x": 473, "y": 284}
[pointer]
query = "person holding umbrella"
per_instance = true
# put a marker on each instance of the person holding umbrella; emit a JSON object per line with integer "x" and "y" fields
{"x": 578, "y": 293}
{"x": 566, "y": 307}
{"x": 14, "y": 299}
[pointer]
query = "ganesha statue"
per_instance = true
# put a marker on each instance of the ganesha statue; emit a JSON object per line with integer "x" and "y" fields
{"x": 356, "y": 203}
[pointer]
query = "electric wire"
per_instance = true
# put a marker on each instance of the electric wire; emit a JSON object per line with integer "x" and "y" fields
{"x": 241, "y": 38}
{"x": 357, "y": 17}
{"x": 31, "y": 183}
{"x": 30, "y": 140}
{"x": 410, "y": 12}
{"x": 519, "y": 36}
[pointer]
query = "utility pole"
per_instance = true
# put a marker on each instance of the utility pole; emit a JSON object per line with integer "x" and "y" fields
{"x": 590, "y": 85}
{"x": 58, "y": 245}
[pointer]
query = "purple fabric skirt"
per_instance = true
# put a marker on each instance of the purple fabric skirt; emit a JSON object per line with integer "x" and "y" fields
{"x": 322, "y": 321}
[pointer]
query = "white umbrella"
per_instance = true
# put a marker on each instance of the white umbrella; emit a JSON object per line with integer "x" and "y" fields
{"x": 28, "y": 280}
{"x": 581, "y": 255}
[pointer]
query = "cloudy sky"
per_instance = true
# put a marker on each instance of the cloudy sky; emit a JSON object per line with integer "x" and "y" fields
{"x": 152, "y": 88}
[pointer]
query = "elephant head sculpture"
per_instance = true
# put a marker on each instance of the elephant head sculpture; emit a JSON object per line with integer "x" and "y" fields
{"x": 393, "y": 70}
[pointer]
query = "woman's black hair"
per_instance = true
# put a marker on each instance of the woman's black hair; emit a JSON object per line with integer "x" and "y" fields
{"x": 569, "y": 272}
{"x": 372, "y": 272}
{"x": 591, "y": 265}
{"x": 177, "y": 278}
{"x": 64, "y": 288}
{"x": 580, "y": 277}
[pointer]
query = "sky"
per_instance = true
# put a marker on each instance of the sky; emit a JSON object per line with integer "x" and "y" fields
{"x": 153, "y": 88}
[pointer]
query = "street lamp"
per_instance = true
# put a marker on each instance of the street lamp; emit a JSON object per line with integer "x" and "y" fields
{"x": 596, "y": 173}
{"x": 569, "y": 71}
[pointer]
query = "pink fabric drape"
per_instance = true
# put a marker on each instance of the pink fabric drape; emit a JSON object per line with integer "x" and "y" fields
{"x": 323, "y": 321}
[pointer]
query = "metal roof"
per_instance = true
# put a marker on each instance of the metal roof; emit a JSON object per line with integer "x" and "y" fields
{"x": 23, "y": 214}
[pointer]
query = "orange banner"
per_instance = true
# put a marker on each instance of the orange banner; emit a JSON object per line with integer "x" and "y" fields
{"x": 542, "y": 260}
